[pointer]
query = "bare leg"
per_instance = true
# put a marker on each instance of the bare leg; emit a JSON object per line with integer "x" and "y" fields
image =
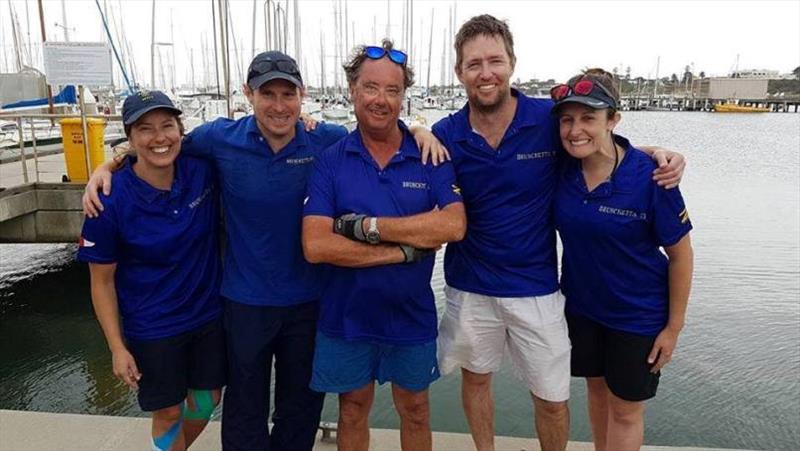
{"x": 163, "y": 421}
{"x": 193, "y": 428}
{"x": 476, "y": 395}
{"x": 552, "y": 423}
{"x": 598, "y": 410}
{"x": 625, "y": 424}
{"x": 415, "y": 419}
{"x": 353, "y": 430}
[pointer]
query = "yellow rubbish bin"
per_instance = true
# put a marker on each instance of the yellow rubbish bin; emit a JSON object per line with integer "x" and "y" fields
{"x": 74, "y": 154}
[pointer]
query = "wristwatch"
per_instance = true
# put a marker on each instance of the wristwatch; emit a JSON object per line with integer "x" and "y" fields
{"x": 373, "y": 235}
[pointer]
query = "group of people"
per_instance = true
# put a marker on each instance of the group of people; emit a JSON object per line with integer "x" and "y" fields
{"x": 330, "y": 240}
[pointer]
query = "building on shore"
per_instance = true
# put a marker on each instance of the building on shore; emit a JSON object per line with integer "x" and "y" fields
{"x": 731, "y": 88}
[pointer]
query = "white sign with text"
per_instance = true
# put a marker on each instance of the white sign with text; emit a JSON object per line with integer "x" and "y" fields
{"x": 77, "y": 63}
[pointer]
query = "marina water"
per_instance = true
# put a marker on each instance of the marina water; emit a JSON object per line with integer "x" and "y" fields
{"x": 735, "y": 378}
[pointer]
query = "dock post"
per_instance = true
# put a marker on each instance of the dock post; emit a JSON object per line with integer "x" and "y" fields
{"x": 85, "y": 132}
{"x": 22, "y": 150}
{"x": 35, "y": 152}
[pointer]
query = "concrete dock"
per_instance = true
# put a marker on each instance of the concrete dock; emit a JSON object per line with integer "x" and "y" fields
{"x": 38, "y": 431}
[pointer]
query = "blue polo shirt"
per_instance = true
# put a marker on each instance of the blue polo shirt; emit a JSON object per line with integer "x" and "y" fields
{"x": 262, "y": 197}
{"x": 166, "y": 247}
{"x": 391, "y": 303}
{"x": 613, "y": 270}
{"x": 510, "y": 246}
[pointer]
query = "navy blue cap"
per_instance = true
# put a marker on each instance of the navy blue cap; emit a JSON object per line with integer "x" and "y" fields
{"x": 268, "y": 66}
{"x": 143, "y": 102}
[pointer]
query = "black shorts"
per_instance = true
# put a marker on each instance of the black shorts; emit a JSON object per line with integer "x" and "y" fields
{"x": 619, "y": 357}
{"x": 170, "y": 366}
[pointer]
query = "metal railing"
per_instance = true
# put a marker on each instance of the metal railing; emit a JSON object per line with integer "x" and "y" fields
{"x": 20, "y": 119}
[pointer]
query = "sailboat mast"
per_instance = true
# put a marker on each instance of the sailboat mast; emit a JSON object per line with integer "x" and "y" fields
{"x": 50, "y": 109}
{"x": 64, "y": 21}
{"x": 152, "y": 45}
{"x": 430, "y": 50}
{"x": 297, "y": 46}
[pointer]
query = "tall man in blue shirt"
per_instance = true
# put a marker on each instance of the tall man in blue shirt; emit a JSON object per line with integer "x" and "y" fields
{"x": 502, "y": 281}
{"x": 377, "y": 214}
{"x": 263, "y": 162}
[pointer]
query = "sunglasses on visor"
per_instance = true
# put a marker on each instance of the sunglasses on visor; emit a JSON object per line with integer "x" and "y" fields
{"x": 376, "y": 53}
{"x": 264, "y": 66}
{"x": 581, "y": 88}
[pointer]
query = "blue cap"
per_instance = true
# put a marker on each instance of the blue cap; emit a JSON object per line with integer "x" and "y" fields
{"x": 268, "y": 66}
{"x": 143, "y": 102}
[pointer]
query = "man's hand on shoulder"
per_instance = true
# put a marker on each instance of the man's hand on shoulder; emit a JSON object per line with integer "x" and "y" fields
{"x": 100, "y": 180}
{"x": 671, "y": 166}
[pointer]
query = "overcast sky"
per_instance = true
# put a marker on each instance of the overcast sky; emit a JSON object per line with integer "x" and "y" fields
{"x": 552, "y": 39}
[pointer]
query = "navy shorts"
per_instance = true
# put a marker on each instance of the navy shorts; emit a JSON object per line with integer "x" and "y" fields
{"x": 619, "y": 357}
{"x": 170, "y": 366}
{"x": 341, "y": 366}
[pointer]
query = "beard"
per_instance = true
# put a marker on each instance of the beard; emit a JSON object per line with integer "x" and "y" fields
{"x": 491, "y": 107}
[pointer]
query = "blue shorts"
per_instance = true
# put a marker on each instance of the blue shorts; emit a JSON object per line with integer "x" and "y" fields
{"x": 341, "y": 366}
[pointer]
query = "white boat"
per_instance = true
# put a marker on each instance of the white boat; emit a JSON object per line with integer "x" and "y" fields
{"x": 431, "y": 103}
{"x": 336, "y": 113}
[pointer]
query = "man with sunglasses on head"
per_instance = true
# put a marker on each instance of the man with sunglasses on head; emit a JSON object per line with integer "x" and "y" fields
{"x": 376, "y": 214}
{"x": 502, "y": 279}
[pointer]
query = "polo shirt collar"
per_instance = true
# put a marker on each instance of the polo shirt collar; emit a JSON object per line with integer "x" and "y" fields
{"x": 408, "y": 147}
{"x": 300, "y": 136}
{"x": 524, "y": 116}
{"x": 624, "y": 177}
{"x": 147, "y": 191}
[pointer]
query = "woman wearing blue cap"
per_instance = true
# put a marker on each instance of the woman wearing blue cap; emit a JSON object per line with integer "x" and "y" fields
{"x": 625, "y": 299}
{"x": 154, "y": 264}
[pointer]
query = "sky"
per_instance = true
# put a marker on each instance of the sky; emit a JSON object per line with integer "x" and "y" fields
{"x": 552, "y": 39}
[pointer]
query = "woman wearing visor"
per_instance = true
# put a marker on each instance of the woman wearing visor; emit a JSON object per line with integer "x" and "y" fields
{"x": 625, "y": 299}
{"x": 154, "y": 264}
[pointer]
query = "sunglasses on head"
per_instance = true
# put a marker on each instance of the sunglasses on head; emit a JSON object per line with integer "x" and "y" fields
{"x": 583, "y": 87}
{"x": 264, "y": 66}
{"x": 376, "y": 53}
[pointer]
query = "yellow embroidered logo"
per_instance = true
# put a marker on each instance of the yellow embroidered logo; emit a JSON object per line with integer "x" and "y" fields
{"x": 684, "y": 215}
{"x": 145, "y": 95}
{"x": 456, "y": 189}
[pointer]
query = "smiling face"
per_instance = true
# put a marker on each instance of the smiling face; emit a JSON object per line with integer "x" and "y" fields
{"x": 377, "y": 95}
{"x": 276, "y": 106}
{"x": 156, "y": 138}
{"x": 485, "y": 71}
{"x": 584, "y": 130}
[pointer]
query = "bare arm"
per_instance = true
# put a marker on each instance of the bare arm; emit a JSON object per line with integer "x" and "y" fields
{"x": 425, "y": 230}
{"x": 322, "y": 245}
{"x": 681, "y": 266}
{"x": 104, "y": 300}
{"x": 670, "y": 165}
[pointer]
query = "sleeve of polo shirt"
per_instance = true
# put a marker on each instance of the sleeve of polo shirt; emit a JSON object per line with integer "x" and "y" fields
{"x": 670, "y": 216}
{"x": 197, "y": 143}
{"x": 333, "y": 133}
{"x": 320, "y": 195}
{"x": 444, "y": 187}
{"x": 99, "y": 238}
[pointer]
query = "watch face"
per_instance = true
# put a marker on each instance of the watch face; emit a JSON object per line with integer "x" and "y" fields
{"x": 373, "y": 237}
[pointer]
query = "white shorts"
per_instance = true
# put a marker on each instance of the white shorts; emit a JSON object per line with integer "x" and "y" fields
{"x": 476, "y": 330}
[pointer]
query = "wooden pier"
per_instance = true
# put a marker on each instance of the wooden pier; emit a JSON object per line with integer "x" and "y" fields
{"x": 670, "y": 103}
